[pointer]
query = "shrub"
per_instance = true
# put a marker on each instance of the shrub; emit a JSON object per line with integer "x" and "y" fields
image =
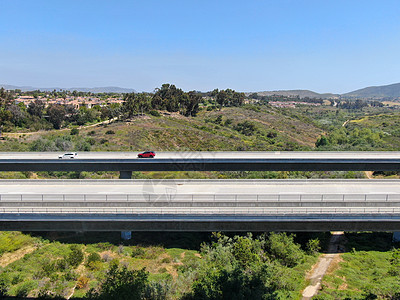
{"x": 24, "y": 289}
{"x": 76, "y": 256}
{"x": 91, "y": 141}
{"x": 121, "y": 283}
{"x": 82, "y": 282}
{"x": 83, "y": 146}
{"x": 110, "y": 132}
{"x": 103, "y": 141}
{"x": 155, "y": 113}
{"x": 283, "y": 248}
{"x": 105, "y": 246}
{"x": 92, "y": 132}
{"x": 93, "y": 257}
{"x": 166, "y": 260}
{"x": 74, "y": 131}
{"x": 313, "y": 246}
{"x": 247, "y": 128}
{"x": 93, "y": 261}
{"x": 138, "y": 252}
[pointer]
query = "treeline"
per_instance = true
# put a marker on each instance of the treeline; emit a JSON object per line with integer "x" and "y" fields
{"x": 168, "y": 97}
{"x": 228, "y": 97}
{"x": 358, "y": 104}
{"x": 63, "y": 94}
{"x": 37, "y": 116}
{"x": 281, "y": 98}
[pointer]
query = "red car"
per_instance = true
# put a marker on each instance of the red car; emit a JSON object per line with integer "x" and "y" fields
{"x": 147, "y": 154}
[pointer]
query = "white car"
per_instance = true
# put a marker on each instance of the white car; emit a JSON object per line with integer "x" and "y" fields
{"x": 68, "y": 155}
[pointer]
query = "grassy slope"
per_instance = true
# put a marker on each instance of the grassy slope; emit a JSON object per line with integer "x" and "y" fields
{"x": 363, "y": 269}
{"x": 175, "y": 132}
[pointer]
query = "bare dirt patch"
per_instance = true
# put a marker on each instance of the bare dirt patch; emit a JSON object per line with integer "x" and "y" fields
{"x": 326, "y": 263}
{"x": 8, "y": 258}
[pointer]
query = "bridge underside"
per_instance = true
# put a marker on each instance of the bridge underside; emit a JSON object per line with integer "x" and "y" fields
{"x": 22, "y": 223}
{"x": 129, "y": 165}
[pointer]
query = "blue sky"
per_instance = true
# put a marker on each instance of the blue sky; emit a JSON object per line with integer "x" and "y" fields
{"x": 326, "y": 46}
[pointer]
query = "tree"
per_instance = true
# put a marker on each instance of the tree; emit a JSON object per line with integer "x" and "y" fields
{"x": 281, "y": 247}
{"x": 35, "y": 108}
{"x": 246, "y": 127}
{"x": 322, "y": 141}
{"x": 76, "y": 256}
{"x": 17, "y": 115}
{"x": 121, "y": 283}
{"x": 56, "y": 114}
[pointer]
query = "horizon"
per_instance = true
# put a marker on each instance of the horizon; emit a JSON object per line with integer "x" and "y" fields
{"x": 250, "y": 47}
{"x": 202, "y": 91}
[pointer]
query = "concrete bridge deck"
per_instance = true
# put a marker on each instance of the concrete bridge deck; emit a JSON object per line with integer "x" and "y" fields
{"x": 200, "y": 205}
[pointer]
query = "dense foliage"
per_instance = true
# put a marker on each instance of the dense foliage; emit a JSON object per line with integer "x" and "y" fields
{"x": 245, "y": 267}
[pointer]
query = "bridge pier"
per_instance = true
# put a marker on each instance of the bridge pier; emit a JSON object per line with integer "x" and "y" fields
{"x": 126, "y": 235}
{"x": 125, "y": 174}
{"x": 396, "y": 236}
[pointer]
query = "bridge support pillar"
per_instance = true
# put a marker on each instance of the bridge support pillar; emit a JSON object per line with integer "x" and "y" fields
{"x": 126, "y": 235}
{"x": 125, "y": 174}
{"x": 396, "y": 236}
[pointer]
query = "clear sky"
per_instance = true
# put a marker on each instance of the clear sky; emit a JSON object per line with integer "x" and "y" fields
{"x": 322, "y": 45}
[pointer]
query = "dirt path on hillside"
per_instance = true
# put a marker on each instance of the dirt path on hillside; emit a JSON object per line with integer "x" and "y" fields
{"x": 9, "y": 257}
{"x": 321, "y": 267}
{"x": 20, "y": 134}
{"x": 369, "y": 174}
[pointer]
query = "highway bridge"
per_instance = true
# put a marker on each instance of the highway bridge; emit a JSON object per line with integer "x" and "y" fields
{"x": 126, "y": 162}
{"x": 200, "y": 205}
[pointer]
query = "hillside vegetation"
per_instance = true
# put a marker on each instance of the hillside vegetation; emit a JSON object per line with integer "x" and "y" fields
{"x": 247, "y": 128}
{"x": 267, "y": 266}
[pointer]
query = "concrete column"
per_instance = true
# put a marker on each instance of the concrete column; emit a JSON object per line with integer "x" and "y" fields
{"x": 126, "y": 235}
{"x": 125, "y": 174}
{"x": 396, "y": 236}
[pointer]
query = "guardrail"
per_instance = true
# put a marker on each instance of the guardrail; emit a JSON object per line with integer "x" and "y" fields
{"x": 206, "y": 211}
{"x": 199, "y": 197}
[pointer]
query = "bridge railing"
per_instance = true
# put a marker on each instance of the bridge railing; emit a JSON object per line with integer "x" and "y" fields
{"x": 169, "y": 197}
{"x": 309, "y": 211}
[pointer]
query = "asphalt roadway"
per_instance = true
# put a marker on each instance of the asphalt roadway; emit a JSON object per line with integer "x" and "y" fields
{"x": 203, "y": 187}
{"x": 212, "y": 155}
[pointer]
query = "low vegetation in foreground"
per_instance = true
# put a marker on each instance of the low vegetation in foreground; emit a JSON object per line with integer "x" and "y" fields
{"x": 370, "y": 269}
{"x": 267, "y": 266}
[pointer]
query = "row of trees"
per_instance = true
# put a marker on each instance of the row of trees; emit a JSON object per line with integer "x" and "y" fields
{"x": 168, "y": 97}
{"x": 228, "y": 97}
{"x": 38, "y": 116}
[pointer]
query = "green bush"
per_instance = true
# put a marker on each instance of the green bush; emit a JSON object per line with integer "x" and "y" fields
{"x": 24, "y": 289}
{"x": 138, "y": 252}
{"x": 110, "y": 132}
{"x": 155, "y": 113}
{"x": 74, "y": 131}
{"x": 76, "y": 256}
{"x": 94, "y": 261}
{"x": 121, "y": 283}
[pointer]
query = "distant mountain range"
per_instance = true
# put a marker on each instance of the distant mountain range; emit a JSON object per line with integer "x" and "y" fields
{"x": 106, "y": 89}
{"x": 391, "y": 91}
{"x": 383, "y": 92}
{"x": 377, "y": 92}
{"x": 300, "y": 93}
